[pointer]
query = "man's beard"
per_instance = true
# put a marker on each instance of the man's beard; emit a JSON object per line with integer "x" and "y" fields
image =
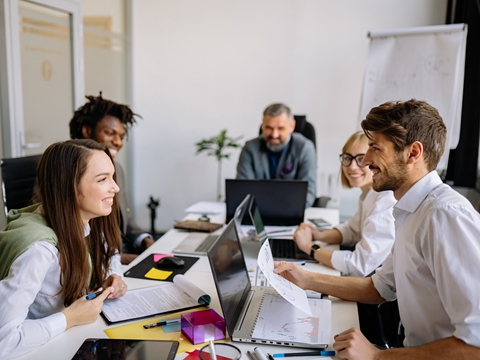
{"x": 393, "y": 177}
{"x": 276, "y": 147}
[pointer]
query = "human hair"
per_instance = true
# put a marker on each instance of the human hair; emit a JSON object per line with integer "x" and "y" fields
{"x": 404, "y": 122}
{"x": 352, "y": 140}
{"x": 59, "y": 173}
{"x": 277, "y": 110}
{"x": 95, "y": 110}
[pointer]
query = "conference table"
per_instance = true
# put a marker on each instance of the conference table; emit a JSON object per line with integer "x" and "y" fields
{"x": 64, "y": 346}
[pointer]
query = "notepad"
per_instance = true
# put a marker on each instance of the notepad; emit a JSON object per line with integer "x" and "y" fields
{"x": 182, "y": 294}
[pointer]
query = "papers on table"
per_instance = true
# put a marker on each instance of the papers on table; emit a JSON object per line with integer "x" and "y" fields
{"x": 153, "y": 300}
{"x": 291, "y": 292}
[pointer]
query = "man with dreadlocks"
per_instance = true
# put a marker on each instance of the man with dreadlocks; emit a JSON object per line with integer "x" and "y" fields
{"x": 108, "y": 122}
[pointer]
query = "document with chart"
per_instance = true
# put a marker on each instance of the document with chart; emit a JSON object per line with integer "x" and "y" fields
{"x": 291, "y": 292}
{"x": 308, "y": 321}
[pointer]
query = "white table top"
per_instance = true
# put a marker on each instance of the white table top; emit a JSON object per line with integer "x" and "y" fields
{"x": 64, "y": 346}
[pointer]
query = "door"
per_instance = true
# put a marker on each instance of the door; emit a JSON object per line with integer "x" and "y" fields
{"x": 42, "y": 73}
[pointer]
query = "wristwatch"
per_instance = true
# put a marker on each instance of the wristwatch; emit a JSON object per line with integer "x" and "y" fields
{"x": 314, "y": 248}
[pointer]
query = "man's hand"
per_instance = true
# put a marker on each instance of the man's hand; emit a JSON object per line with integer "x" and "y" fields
{"x": 292, "y": 273}
{"x": 128, "y": 258}
{"x": 353, "y": 345}
{"x": 147, "y": 242}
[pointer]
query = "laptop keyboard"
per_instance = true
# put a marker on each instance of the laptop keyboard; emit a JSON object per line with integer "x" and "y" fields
{"x": 207, "y": 243}
{"x": 283, "y": 249}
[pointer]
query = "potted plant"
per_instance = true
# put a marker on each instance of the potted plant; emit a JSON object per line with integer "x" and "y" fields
{"x": 217, "y": 146}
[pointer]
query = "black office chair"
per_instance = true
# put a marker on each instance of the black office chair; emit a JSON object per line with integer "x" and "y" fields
{"x": 18, "y": 181}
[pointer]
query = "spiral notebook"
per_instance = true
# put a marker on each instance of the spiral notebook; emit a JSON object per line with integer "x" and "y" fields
{"x": 251, "y": 312}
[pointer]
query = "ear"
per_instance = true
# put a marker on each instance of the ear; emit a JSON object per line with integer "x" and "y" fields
{"x": 292, "y": 125}
{"x": 415, "y": 152}
{"x": 86, "y": 132}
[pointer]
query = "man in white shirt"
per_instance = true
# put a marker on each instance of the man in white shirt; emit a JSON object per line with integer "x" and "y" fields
{"x": 433, "y": 267}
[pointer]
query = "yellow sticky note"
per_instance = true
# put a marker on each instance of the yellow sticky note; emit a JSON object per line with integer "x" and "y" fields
{"x": 157, "y": 274}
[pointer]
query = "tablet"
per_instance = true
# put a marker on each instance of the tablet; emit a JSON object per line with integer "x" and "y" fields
{"x": 116, "y": 349}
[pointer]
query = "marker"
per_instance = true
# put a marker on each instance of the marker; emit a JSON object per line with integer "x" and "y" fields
{"x": 309, "y": 353}
{"x": 93, "y": 295}
{"x": 259, "y": 353}
{"x": 162, "y": 323}
{"x": 213, "y": 355}
{"x": 251, "y": 356}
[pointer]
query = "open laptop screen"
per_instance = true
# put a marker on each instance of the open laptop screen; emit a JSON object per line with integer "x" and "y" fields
{"x": 281, "y": 202}
{"x": 231, "y": 277}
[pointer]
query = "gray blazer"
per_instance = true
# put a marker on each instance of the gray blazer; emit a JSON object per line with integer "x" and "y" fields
{"x": 130, "y": 229}
{"x": 298, "y": 161}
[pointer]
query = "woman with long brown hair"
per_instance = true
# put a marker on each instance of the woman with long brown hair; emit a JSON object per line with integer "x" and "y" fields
{"x": 55, "y": 252}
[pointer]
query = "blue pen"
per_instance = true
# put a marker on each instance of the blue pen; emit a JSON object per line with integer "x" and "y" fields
{"x": 308, "y": 353}
{"x": 93, "y": 295}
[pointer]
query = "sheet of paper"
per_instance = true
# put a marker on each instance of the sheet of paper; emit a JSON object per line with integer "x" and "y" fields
{"x": 207, "y": 208}
{"x": 313, "y": 329}
{"x": 153, "y": 300}
{"x": 291, "y": 292}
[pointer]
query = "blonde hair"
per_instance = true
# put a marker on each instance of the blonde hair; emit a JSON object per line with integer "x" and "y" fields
{"x": 352, "y": 140}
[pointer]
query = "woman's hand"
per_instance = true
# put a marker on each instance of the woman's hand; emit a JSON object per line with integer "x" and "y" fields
{"x": 120, "y": 287}
{"x": 303, "y": 236}
{"x": 83, "y": 311}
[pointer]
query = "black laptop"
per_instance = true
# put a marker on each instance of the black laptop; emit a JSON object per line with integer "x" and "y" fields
{"x": 281, "y": 202}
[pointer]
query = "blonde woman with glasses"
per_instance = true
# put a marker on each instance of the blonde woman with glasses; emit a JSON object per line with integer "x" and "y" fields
{"x": 371, "y": 230}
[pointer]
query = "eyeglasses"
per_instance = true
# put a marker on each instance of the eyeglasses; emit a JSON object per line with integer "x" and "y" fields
{"x": 346, "y": 159}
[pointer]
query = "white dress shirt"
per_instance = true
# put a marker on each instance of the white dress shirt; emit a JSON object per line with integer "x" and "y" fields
{"x": 30, "y": 306}
{"x": 372, "y": 230}
{"x": 434, "y": 265}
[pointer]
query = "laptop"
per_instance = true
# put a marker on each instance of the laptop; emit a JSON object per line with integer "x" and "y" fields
{"x": 251, "y": 313}
{"x": 282, "y": 249}
{"x": 197, "y": 243}
{"x": 282, "y": 202}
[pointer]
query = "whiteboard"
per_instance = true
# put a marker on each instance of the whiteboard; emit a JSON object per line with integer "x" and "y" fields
{"x": 425, "y": 63}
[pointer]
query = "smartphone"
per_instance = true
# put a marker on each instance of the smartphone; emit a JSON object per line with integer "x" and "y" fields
{"x": 319, "y": 222}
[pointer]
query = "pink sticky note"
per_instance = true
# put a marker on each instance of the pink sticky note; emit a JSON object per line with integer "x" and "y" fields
{"x": 157, "y": 257}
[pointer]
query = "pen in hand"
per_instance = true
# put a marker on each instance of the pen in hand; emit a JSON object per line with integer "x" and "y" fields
{"x": 94, "y": 295}
{"x": 162, "y": 323}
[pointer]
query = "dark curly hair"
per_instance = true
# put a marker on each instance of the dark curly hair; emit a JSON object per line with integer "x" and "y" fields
{"x": 95, "y": 110}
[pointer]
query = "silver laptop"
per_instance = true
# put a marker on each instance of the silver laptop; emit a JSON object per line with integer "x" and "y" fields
{"x": 282, "y": 249}
{"x": 197, "y": 243}
{"x": 252, "y": 313}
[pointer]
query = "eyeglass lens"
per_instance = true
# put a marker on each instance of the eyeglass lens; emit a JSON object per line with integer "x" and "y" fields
{"x": 347, "y": 159}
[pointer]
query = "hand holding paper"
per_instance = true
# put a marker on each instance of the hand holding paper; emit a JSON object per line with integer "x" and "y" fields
{"x": 289, "y": 291}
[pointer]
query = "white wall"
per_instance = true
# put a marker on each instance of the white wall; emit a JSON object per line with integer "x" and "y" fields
{"x": 201, "y": 66}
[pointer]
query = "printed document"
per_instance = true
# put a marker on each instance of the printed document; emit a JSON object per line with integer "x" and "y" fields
{"x": 138, "y": 303}
{"x": 288, "y": 290}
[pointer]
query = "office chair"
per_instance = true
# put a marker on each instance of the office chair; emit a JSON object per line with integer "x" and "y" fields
{"x": 381, "y": 324}
{"x": 18, "y": 181}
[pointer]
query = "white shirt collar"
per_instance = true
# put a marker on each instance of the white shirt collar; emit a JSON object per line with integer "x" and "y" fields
{"x": 86, "y": 230}
{"x": 418, "y": 192}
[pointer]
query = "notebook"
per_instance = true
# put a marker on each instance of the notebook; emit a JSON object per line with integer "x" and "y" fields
{"x": 282, "y": 202}
{"x": 251, "y": 312}
{"x": 282, "y": 249}
{"x": 199, "y": 243}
